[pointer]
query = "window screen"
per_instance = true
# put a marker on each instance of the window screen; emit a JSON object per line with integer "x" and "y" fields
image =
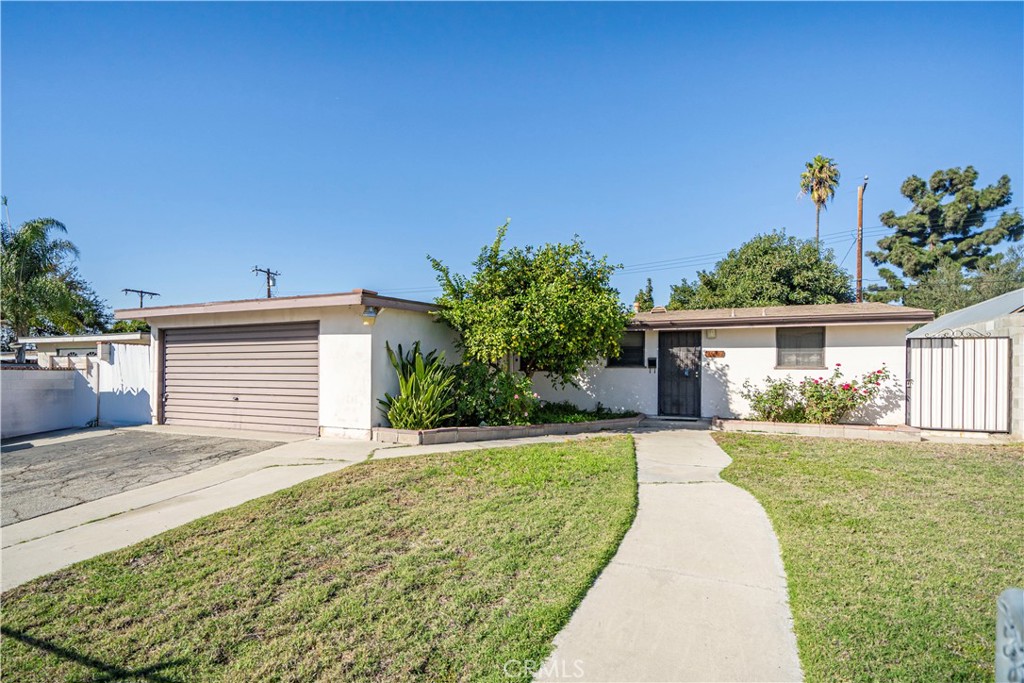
{"x": 800, "y": 347}
{"x": 631, "y": 351}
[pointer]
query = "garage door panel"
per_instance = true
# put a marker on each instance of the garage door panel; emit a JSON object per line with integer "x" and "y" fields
{"x": 245, "y": 376}
{"x": 225, "y": 424}
{"x": 244, "y": 410}
{"x": 256, "y": 373}
{"x": 308, "y": 361}
{"x": 232, "y": 353}
{"x": 242, "y": 336}
{"x": 227, "y": 402}
{"x": 186, "y": 391}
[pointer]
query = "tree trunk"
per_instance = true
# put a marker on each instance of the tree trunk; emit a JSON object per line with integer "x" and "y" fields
{"x": 817, "y": 222}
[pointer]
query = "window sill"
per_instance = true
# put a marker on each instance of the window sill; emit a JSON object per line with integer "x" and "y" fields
{"x": 801, "y": 367}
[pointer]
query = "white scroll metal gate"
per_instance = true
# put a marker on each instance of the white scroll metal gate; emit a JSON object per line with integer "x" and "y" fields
{"x": 959, "y": 383}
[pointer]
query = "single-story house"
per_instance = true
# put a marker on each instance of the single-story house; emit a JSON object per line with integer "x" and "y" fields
{"x": 967, "y": 369}
{"x": 309, "y": 364}
{"x": 694, "y": 363}
{"x": 78, "y": 380}
{"x": 50, "y": 349}
{"x": 317, "y": 364}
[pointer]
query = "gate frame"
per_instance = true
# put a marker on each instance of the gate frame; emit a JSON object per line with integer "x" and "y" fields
{"x": 967, "y": 334}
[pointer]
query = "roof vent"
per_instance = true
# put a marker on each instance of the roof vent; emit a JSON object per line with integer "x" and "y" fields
{"x": 658, "y": 309}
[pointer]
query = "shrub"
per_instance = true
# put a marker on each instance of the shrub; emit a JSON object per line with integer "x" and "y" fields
{"x": 566, "y": 412}
{"x": 486, "y": 395}
{"x": 425, "y": 390}
{"x": 824, "y": 400}
{"x": 778, "y": 402}
{"x": 827, "y": 400}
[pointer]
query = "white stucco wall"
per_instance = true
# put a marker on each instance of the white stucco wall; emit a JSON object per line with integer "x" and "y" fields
{"x": 749, "y": 355}
{"x": 395, "y": 326}
{"x": 615, "y": 388}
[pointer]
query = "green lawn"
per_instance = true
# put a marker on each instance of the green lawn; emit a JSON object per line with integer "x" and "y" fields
{"x": 433, "y": 568}
{"x": 895, "y": 553}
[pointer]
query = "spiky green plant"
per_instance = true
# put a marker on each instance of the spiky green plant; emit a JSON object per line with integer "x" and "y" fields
{"x": 426, "y": 396}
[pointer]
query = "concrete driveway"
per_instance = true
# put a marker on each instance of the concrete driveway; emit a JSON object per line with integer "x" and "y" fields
{"x": 43, "y": 475}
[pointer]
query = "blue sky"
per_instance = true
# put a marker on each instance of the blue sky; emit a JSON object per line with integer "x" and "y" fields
{"x": 340, "y": 143}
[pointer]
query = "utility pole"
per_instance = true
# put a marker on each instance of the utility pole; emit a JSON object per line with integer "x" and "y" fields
{"x": 271, "y": 277}
{"x": 860, "y": 240}
{"x": 141, "y": 292}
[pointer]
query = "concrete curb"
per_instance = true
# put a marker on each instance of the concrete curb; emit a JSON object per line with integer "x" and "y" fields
{"x": 828, "y": 431}
{"x": 430, "y": 437}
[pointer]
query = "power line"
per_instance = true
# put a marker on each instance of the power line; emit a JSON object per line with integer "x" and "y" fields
{"x": 142, "y": 294}
{"x": 271, "y": 277}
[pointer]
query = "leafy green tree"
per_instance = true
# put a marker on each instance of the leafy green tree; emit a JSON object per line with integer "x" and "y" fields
{"x": 552, "y": 306}
{"x": 42, "y": 291}
{"x": 769, "y": 270}
{"x": 130, "y": 326}
{"x": 949, "y": 288}
{"x": 819, "y": 180}
{"x": 644, "y": 299}
{"x": 944, "y": 230}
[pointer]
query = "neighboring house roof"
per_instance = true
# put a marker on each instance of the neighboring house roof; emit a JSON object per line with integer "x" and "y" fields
{"x": 996, "y": 307}
{"x": 781, "y": 316}
{"x": 357, "y": 297}
{"x": 111, "y": 338}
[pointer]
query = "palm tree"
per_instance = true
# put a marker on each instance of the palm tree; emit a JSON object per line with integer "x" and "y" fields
{"x": 820, "y": 180}
{"x": 40, "y": 289}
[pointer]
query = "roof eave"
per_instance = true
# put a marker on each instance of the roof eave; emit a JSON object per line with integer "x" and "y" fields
{"x": 357, "y": 297}
{"x": 861, "y": 318}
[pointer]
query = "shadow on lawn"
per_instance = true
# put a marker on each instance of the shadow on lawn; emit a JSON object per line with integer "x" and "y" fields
{"x": 113, "y": 672}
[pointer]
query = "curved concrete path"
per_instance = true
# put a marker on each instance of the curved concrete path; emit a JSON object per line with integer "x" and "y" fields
{"x": 696, "y": 591}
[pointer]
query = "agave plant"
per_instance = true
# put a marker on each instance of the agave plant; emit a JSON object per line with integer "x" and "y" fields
{"x": 426, "y": 395}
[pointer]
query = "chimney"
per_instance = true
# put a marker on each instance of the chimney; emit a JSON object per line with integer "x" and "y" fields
{"x": 636, "y": 306}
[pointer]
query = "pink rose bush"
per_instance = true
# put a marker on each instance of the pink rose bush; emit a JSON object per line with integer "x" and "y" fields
{"x": 823, "y": 400}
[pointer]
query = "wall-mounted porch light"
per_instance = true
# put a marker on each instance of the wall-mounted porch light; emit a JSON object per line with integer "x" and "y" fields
{"x": 370, "y": 314}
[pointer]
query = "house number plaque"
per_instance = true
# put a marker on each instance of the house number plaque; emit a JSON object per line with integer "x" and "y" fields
{"x": 714, "y": 354}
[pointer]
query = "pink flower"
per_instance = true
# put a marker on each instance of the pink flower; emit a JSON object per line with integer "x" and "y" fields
{"x": 516, "y": 397}
{"x": 817, "y": 382}
{"x": 536, "y": 395}
{"x": 846, "y": 386}
{"x": 839, "y": 365}
{"x": 878, "y": 372}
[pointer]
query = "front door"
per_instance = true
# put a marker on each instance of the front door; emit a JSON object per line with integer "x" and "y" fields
{"x": 679, "y": 374}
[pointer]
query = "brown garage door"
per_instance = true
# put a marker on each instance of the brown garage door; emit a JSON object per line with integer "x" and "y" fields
{"x": 243, "y": 376}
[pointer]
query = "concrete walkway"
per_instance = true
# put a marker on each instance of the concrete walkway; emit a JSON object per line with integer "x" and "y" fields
{"x": 696, "y": 591}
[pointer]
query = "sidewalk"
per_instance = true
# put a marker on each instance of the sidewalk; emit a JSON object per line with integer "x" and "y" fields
{"x": 696, "y": 591}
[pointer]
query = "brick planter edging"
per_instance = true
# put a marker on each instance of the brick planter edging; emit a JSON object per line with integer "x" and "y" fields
{"x": 839, "y": 431}
{"x": 429, "y": 437}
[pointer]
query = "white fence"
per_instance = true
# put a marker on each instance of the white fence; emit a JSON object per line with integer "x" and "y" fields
{"x": 959, "y": 383}
{"x": 113, "y": 391}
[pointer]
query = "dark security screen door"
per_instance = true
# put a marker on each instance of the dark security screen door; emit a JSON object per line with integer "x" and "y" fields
{"x": 679, "y": 374}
